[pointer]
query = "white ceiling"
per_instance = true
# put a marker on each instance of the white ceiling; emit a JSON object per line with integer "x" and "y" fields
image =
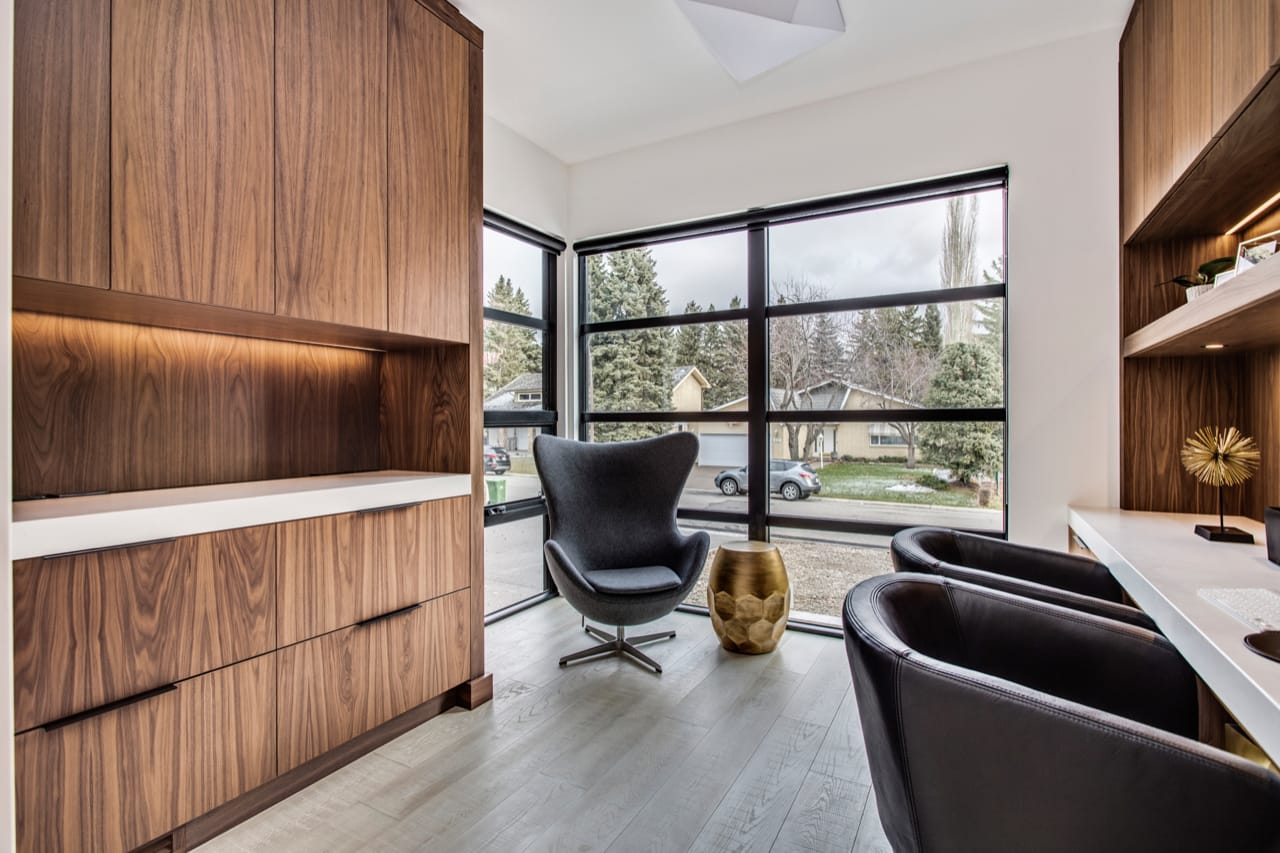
{"x": 586, "y": 78}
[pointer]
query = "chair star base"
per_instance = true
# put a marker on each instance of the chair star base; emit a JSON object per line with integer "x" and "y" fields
{"x": 619, "y": 644}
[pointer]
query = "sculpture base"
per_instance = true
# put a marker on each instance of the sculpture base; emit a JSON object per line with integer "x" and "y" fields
{"x": 1214, "y": 533}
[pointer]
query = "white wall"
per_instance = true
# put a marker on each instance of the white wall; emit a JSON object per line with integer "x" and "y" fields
{"x": 1051, "y": 114}
{"x": 529, "y": 185}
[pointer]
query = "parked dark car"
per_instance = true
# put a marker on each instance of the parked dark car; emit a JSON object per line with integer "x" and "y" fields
{"x": 496, "y": 460}
{"x": 792, "y": 480}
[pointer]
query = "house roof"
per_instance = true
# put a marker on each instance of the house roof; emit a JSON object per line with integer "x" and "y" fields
{"x": 831, "y": 395}
{"x": 681, "y": 373}
{"x": 505, "y": 398}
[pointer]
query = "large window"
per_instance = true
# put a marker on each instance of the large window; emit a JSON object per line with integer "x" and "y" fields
{"x": 842, "y": 362}
{"x": 519, "y": 403}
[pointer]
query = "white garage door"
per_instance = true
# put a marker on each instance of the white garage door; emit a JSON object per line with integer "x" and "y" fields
{"x": 722, "y": 451}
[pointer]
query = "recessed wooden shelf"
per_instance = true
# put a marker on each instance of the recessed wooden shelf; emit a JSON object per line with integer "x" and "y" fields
{"x": 1242, "y": 314}
{"x": 1233, "y": 176}
{"x": 72, "y": 300}
{"x": 89, "y": 522}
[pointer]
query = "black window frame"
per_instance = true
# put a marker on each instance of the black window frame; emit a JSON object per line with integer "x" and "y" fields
{"x": 758, "y": 312}
{"x": 545, "y": 418}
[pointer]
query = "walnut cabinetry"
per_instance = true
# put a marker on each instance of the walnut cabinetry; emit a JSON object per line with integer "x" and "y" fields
{"x": 342, "y": 569}
{"x": 121, "y": 778}
{"x": 246, "y": 402}
{"x": 1188, "y": 69}
{"x": 342, "y": 684}
{"x": 97, "y": 627}
{"x": 191, "y": 132}
{"x": 1199, "y": 162}
{"x": 309, "y": 159}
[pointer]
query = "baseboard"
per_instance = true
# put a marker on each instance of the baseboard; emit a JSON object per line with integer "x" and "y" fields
{"x": 476, "y": 692}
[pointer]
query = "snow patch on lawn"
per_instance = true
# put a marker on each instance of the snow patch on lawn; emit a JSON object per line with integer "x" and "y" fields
{"x": 913, "y": 488}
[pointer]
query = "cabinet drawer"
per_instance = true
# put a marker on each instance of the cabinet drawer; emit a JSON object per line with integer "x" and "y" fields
{"x": 336, "y": 570}
{"x": 338, "y": 686}
{"x": 115, "y": 780}
{"x": 95, "y": 627}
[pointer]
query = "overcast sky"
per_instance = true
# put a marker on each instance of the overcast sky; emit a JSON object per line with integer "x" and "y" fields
{"x": 889, "y": 250}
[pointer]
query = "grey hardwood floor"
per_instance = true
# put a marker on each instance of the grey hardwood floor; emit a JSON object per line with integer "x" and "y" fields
{"x": 721, "y": 752}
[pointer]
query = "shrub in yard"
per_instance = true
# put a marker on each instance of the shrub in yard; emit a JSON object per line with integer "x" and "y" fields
{"x": 968, "y": 377}
{"x": 892, "y": 460}
{"x": 847, "y": 459}
{"x": 931, "y": 481}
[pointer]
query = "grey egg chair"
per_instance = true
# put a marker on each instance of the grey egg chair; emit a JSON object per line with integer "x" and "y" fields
{"x": 614, "y": 551}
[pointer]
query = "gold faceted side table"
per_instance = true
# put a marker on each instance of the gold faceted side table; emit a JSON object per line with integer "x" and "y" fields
{"x": 749, "y": 596}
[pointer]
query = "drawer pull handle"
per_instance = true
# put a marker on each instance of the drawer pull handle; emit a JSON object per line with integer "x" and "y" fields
{"x": 110, "y": 706}
{"x": 394, "y": 613}
{"x": 388, "y": 508}
{"x": 109, "y": 548}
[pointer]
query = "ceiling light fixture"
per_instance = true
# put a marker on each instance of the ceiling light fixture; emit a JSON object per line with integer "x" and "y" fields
{"x": 1214, "y": 346}
{"x": 750, "y": 37}
{"x": 1263, "y": 208}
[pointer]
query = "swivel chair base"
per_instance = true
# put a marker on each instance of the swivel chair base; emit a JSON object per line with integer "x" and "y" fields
{"x": 618, "y": 644}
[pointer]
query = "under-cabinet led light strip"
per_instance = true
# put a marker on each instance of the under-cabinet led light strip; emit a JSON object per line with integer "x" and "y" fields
{"x": 1263, "y": 208}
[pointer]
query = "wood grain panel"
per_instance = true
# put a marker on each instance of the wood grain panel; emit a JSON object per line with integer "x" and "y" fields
{"x": 447, "y": 12}
{"x": 476, "y": 365}
{"x": 426, "y": 408}
{"x": 1164, "y": 400}
{"x": 47, "y": 297}
{"x": 1179, "y": 87}
{"x": 1133, "y": 125}
{"x": 1263, "y": 423}
{"x": 93, "y": 628}
{"x": 337, "y": 570}
{"x": 191, "y": 140}
{"x": 1202, "y": 203}
{"x": 117, "y": 407}
{"x": 340, "y": 685}
{"x": 122, "y": 778}
{"x": 1143, "y": 266}
{"x": 61, "y": 154}
{"x": 331, "y": 161}
{"x": 430, "y": 198}
{"x": 1241, "y": 53}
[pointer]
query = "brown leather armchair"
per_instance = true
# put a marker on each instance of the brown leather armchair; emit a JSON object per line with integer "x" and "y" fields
{"x": 999, "y": 723}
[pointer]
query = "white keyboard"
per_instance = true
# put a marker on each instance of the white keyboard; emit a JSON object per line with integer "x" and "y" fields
{"x": 1255, "y": 607}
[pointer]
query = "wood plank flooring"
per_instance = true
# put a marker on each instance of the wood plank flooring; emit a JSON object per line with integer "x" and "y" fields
{"x": 721, "y": 752}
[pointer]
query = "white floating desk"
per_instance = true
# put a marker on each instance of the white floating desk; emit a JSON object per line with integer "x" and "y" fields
{"x": 87, "y": 522}
{"x": 1161, "y": 563}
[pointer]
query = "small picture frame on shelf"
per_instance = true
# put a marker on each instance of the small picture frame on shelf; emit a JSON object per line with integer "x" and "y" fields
{"x": 1256, "y": 250}
{"x": 1224, "y": 277}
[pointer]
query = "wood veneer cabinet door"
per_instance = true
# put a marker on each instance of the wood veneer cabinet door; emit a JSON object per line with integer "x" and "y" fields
{"x": 61, "y": 154}
{"x": 331, "y": 161}
{"x": 1244, "y": 43}
{"x": 119, "y": 779}
{"x": 191, "y": 143}
{"x": 1179, "y": 100}
{"x": 337, "y": 570}
{"x": 432, "y": 210}
{"x": 340, "y": 685}
{"x": 1133, "y": 118}
{"x": 97, "y": 627}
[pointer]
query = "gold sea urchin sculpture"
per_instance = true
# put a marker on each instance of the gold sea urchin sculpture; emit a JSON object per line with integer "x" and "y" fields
{"x": 1221, "y": 457}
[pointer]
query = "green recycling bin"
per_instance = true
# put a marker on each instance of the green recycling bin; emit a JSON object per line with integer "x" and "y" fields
{"x": 497, "y": 489}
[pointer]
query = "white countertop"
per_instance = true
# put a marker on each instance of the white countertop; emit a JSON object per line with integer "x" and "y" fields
{"x": 63, "y": 525}
{"x": 1161, "y": 563}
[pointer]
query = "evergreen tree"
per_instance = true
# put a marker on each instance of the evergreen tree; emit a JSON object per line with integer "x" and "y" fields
{"x": 690, "y": 344}
{"x": 989, "y": 315}
{"x": 630, "y": 371}
{"x": 931, "y": 330}
{"x": 968, "y": 377}
{"x": 725, "y": 361}
{"x": 894, "y": 356}
{"x": 510, "y": 350}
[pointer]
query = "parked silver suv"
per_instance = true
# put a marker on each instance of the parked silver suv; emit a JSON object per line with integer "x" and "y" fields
{"x": 792, "y": 480}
